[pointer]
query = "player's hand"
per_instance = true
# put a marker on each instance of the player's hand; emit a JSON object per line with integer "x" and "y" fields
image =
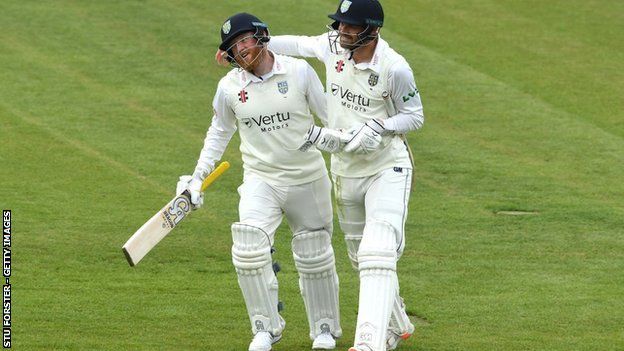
{"x": 194, "y": 187}
{"x": 367, "y": 138}
{"x": 325, "y": 139}
{"x": 221, "y": 58}
{"x": 183, "y": 184}
{"x": 193, "y": 184}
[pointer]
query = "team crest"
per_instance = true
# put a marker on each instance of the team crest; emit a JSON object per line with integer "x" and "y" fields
{"x": 227, "y": 26}
{"x": 344, "y": 7}
{"x": 282, "y": 87}
{"x": 373, "y": 79}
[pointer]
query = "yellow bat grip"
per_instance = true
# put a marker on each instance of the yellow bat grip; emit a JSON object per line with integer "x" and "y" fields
{"x": 215, "y": 174}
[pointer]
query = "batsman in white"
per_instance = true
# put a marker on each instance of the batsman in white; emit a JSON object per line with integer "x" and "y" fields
{"x": 269, "y": 98}
{"x": 372, "y": 95}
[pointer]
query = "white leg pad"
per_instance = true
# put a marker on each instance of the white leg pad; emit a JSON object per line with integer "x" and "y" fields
{"x": 399, "y": 320}
{"x": 400, "y": 328}
{"x": 377, "y": 259}
{"x": 251, "y": 255}
{"x": 318, "y": 281}
{"x": 353, "y": 237}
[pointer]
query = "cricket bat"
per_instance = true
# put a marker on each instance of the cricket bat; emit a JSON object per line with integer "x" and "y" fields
{"x": 163, "y": 222}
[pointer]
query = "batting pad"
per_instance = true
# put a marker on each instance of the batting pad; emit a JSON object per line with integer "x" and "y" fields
{"x": 251, "y": 255}
{"x": 399, "y": 320}
{"x": 353, "y": 237}
{"x": 318, "y": 281}
{"x": 377, "y": 258}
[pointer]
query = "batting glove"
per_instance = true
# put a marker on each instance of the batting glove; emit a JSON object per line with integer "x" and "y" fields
{"x": 367, "y": 138}
{"x": 183, "y": 184}
{"x": 325, "y": 139}
{"x": 194, "y": 187}
{"x": 193, "y": 184}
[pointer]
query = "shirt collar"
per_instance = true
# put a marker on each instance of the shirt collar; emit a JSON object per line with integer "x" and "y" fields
{"x": 279, "y": 67}
{"x": 375, "y": 62}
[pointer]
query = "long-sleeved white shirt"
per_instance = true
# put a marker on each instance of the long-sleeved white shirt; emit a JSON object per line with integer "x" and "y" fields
{"x": 383, "y": 89}
{"x": 408, "y": 110}
{"x": 272, "y": 114}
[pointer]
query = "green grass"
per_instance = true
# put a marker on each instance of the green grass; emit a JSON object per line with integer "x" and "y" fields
{"x": 104, "y": 103}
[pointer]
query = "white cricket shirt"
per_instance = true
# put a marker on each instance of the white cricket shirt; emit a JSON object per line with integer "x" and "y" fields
{"x": 272, "y": 114}
{"x": 383, "y": 88}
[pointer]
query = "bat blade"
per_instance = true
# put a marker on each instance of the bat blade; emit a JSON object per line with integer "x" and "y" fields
{"x": 156, "y": 228}
{"x": 163, "y": 222}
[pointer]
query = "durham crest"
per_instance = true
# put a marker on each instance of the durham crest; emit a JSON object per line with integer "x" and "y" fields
{"x": 282, "y": 87}
{"x": 373, "y": 79}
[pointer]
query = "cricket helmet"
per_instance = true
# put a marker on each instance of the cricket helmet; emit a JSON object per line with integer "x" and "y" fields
{"x": 365, "y": 13}
{"x": 241, "y": 23}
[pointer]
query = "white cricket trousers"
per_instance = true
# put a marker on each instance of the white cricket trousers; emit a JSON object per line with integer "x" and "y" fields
{"x": 372, "y": 212}
{"x": 383, "y": 196}
{"x": 307, "y": 207}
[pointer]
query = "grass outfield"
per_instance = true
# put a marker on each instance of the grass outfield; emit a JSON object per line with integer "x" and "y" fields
{"x": 103, "y": 104}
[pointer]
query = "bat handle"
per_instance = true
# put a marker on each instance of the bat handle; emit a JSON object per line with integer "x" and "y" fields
{"x": 215, "y": 174}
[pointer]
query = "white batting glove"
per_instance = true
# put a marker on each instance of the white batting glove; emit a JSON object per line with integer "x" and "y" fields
{"x": 325, "y": 139}
{"x": 367, "y": 138}
{"x": 194, "y": 187}
{"x": 183, "y": 184}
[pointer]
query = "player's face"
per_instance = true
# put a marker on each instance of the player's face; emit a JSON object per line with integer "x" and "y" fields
{"x": 246, "y": 51}
{"x": 348, "y": 35}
